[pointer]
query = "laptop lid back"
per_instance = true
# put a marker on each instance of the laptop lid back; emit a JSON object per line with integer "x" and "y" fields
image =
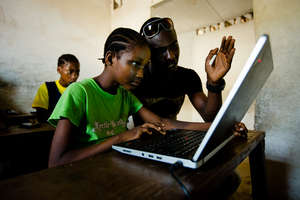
{"x": 243, "y": 93}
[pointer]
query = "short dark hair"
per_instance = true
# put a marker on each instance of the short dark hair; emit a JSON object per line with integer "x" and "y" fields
{"x": 122, "y": 39}
{"x": 63, "y": 59}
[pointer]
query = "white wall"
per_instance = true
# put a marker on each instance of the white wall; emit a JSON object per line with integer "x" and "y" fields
{"x": 132, "y": 14}
{"x": 194, "y": 50}
{"x": 34, "y": 33}
{"x": 278, "y": 107}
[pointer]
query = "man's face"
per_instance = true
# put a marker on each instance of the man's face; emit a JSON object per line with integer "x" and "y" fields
{"x": 165, "y": 51}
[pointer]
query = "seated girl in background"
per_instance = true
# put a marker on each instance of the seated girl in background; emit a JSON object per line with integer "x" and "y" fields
{"x": 48, "y": 94}
{"x": 92, "y": 114}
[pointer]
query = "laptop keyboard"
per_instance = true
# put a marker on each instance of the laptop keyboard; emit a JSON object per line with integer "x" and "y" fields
{"x": 179, "y": 143}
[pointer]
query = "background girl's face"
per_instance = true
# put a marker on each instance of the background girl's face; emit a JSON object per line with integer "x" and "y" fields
{"x": 69, "y": 73}
{"x": 129, "y": 67}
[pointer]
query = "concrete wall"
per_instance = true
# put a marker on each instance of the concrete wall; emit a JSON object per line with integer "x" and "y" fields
{"x": 132, "y": 14}
{"x": 194, "y": 50}
{"x": 278, "y": 107}
{"x": 34, "y": 33}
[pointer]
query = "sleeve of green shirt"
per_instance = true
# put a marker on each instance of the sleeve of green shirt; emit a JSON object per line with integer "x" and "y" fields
{"x": 136, "y": 105}
{"x": 71, "y": 105}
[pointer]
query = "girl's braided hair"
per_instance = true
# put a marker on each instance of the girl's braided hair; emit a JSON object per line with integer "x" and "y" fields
{"x": 122, "y": 39}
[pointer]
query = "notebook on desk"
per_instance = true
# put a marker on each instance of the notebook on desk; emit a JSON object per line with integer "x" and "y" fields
{"x": 194, "y": 148}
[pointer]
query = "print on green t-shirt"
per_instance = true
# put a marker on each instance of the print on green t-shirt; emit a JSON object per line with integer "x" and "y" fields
{"x": 96, "y": 113}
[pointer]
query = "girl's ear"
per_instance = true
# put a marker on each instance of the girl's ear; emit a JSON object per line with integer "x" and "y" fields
{"x": 108, "y": 58}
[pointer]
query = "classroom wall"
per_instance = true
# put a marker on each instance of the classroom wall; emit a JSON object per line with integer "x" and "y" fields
{"x": 34, "y": 33}
{"x": 132, "y": 14}
{"x": 194, "y": 50}
{"x": 278, "y": 107}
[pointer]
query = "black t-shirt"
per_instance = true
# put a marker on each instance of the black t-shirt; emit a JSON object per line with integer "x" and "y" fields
{"x": 164, "y": 94}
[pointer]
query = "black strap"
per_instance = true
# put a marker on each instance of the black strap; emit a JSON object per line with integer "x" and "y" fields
{"x": 53, "y": 94}
{"x": 216, "y": 88}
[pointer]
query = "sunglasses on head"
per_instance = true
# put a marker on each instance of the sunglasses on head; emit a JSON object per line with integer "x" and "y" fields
{"x": 153, "y": 28}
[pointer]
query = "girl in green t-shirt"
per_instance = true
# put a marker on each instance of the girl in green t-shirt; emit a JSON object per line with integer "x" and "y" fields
{"x": 91, "y": 115}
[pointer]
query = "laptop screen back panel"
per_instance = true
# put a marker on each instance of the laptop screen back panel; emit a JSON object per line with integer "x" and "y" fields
{"x": 243, "y": 93}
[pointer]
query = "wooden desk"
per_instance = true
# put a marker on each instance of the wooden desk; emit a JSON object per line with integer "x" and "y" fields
{"x": 15, "y": 119}
{"x": 24, "y": 150}
{"x": 116, "y": 176}
{"x": 18, "y": 130}
{"x": 21, "y": 116}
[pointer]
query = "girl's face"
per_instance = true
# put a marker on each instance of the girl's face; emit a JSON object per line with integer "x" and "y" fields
{"x": 129, "y": 67}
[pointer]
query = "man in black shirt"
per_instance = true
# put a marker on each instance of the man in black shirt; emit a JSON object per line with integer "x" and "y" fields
{"x": 165, "y": 84}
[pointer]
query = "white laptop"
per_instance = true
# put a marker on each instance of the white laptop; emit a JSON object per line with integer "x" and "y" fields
{"x": 194, "y": 148}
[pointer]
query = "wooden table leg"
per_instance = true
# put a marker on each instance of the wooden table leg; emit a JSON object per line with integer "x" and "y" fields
{"x": 258, "y": 171}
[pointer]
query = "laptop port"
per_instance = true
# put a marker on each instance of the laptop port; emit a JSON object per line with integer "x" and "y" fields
{"x": 158, "y": 157}
{"x": 150, "y": 156}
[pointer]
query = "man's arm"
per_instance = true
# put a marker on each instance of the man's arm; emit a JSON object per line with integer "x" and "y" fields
{"x": 167, "y": 124}
{"x": 208, "y": 106}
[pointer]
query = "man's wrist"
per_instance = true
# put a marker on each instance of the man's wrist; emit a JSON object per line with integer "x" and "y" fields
{"x": 217, "y": 87}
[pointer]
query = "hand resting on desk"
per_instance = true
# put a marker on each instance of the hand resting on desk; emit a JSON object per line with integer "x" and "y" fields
{"x": 240, "y": 130}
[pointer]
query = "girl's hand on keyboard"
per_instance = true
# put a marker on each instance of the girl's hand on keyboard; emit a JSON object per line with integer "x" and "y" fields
{"x": 136, "y": 132}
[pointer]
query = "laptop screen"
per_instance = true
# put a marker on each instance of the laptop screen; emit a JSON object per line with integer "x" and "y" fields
{"x": 242, "y": 95}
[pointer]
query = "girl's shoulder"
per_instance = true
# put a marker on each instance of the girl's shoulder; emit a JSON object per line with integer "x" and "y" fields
{"x": 79, "y": 88}
{"x": 82, "y": 84}
{"x": 125, "y": 93}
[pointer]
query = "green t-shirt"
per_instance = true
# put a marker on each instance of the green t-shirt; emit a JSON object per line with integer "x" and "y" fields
{"x": 98, "y": 114}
